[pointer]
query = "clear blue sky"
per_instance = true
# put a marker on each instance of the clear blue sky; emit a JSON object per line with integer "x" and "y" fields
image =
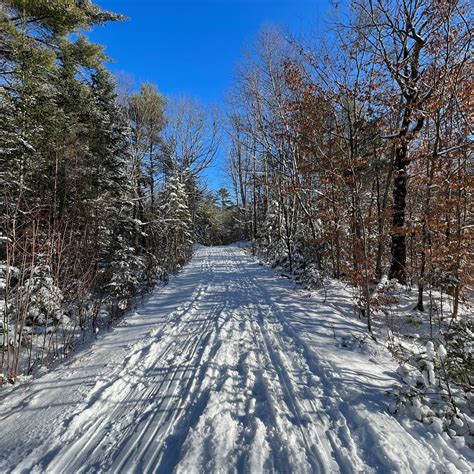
{"x": 191, "y": 47}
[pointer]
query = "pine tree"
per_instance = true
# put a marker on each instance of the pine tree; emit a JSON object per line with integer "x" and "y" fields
{"x": 177, "y": 224}
{"x": 61, "y": 144}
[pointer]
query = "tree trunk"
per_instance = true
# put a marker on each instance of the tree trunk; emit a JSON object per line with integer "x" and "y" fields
{"x": 398, "y": 247}
{"x": 401, "y": 163}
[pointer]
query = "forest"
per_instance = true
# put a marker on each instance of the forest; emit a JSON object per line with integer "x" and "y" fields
{"x": 100, "y": 189}
{"x": 349, "y": 159}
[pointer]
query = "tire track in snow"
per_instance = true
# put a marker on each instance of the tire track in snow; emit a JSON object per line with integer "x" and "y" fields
{"x": 158, "y": 426}
{"x": 204, "y": 445}
{"x": 284, "y": 431}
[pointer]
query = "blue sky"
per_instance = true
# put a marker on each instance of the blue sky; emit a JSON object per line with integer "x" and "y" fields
{"x": 191, "y": 47}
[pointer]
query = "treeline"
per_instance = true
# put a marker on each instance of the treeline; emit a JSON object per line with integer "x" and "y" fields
{"x": 100, "y": 193}
{"x": 353, "y": 159}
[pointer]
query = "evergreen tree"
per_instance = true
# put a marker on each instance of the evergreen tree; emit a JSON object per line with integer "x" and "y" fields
{"x": 177, "y": 224}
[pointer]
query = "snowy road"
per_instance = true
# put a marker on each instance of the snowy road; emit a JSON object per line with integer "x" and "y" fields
{"x": 227, "y": 369}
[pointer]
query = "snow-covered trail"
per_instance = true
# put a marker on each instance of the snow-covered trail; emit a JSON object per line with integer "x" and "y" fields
{"x": 227, "y": 369}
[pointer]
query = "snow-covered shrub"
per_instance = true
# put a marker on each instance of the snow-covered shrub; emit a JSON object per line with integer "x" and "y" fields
{"x": 9, "y": 276}
{"x": 127, "y": 274}
{"x": 37, "y": 298}
{"x": 307, "y": 259}
{"x": 312, "y": 275}
{"x": 276, "y": 245}
{"x": 459, "y": 363}
{"x": 430, "y": 394}
{"x": 271, "y": 235}
{"x": 153, "y": 271}
{"x": 83, "y": 312}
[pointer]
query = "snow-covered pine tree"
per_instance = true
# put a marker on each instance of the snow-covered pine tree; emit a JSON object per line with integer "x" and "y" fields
{"x": 177, "y": 224}
{"x": 271, "y": 232}
{"x": 61, "y": 144}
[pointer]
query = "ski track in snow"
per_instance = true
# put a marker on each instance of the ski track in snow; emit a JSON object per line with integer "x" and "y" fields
{"x": 227, "y": 369}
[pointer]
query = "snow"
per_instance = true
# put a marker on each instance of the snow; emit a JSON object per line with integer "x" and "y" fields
{"x": 442, "y": 352}
{"x": 229, "y": 367}
{"x": 430, "y": 350}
